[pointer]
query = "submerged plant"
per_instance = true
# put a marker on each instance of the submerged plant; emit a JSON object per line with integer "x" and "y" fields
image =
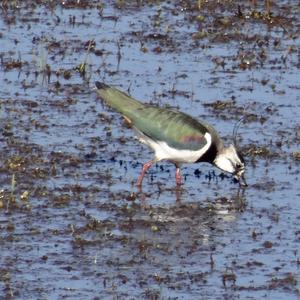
{"x": 82, "y": 68}
{"x": 12, "y": 197}
{"x": 41, "y": 63}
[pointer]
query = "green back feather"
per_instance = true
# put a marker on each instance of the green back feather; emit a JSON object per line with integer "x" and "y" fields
{"x": 177, "y": 129}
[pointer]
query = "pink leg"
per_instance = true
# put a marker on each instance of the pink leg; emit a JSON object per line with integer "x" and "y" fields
{"x": 146, "y": 167}
{"x": 178, "y": 176}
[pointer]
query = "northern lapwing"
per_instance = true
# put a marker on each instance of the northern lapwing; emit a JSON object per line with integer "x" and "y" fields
{"x": 174, "y": 136}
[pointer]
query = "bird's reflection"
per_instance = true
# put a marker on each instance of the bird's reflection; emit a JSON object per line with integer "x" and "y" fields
{"x": 234, "y": 201}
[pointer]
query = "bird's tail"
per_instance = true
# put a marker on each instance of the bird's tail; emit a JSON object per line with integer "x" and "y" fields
{"x": 116, "y": 99}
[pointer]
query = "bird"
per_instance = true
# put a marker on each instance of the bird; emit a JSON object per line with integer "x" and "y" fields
{"x": 174, "y": 136}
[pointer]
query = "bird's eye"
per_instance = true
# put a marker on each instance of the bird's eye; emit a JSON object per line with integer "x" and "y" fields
{"x": 239, "y": 166}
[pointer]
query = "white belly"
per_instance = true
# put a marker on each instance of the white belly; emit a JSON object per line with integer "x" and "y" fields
{"x": 164, "y": 151}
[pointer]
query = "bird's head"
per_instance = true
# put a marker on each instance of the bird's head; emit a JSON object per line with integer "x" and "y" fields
{"x": 230, "y": 160}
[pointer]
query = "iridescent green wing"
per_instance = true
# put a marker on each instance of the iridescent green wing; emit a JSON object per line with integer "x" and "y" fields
{"x": 177, "y": 129}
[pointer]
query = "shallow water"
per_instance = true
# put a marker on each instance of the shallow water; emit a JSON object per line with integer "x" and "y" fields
{"x": 73, "y": 225}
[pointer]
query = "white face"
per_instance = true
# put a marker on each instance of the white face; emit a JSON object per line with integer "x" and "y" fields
{"x": 230, "y": 161}
{"x": 224, "y": 163}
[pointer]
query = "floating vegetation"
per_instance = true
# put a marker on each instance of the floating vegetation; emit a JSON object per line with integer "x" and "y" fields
{"x": 296, "y": 155}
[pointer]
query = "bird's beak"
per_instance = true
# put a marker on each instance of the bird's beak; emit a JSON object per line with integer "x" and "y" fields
{"x": 242, "y": 181}
{"x": 240, "y": 177}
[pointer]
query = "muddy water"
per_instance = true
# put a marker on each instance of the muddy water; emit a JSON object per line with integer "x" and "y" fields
{"x": 72, "y": 223}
